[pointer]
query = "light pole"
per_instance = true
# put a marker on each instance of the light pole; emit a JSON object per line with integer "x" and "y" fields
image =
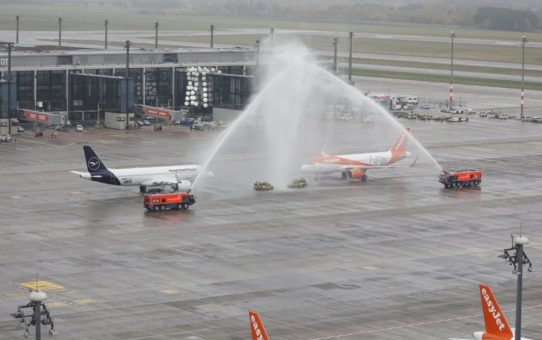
{"x": 127, "y": 45}
{"x": 523, "y": 43}
{"x": 156, "y": 35}
{"x": 37, "y": 304}
{"x": 17, "y": 30}
{"x": 59, "y": 31}
{"x": 335, "y": 43}
{"x": 351, "y": 36}
{"x": 106, "y": 23}
{"x": 10, "y": 46}
{"x": 257, "y": 54}
{"x": 212, "y": 29}
{"x": 451, "y": 96}
{"x": 517, "y": 258}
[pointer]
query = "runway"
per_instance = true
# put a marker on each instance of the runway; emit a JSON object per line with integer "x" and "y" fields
{"x": 396, "y": 258}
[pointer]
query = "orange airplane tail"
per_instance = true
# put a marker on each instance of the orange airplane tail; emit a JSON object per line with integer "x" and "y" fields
{"x": 496, "y": 325}
{"x": 399, "y": 149}
{"x": 256, "y": 326}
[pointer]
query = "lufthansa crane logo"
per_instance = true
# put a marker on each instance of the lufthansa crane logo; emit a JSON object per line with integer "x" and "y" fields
{"x": 93, "y": 163}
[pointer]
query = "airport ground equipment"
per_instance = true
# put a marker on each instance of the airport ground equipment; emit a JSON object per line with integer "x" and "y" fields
{"x": 298, "y": 183}
{"x": 263, "y": 186}
{"x": 461, "y": 178}
{"x": 34, "y": 316}
{"x": 165, "y": 201}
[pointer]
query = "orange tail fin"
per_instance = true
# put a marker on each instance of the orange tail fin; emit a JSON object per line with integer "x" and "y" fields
{"x": 256, "y": 326}
{"x": 496, "y": 325}
{"x": 399, "y": 149}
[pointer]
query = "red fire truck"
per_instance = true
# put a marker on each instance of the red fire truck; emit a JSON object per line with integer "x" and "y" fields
{"x": 461, "y": 178}
{"x": 164, "y": 201}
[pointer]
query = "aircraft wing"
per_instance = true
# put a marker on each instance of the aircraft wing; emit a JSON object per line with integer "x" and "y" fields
{"x": 161, "y": 180}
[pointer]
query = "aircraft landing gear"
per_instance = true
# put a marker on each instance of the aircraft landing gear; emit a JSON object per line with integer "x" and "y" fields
{"x": 364, "y": 179}
{"x": 344, "y": 175}
{"x": 142, "y": 189}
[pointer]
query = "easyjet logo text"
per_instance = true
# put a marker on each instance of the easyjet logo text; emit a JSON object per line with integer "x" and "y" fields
{"x": 256, "y": 328}
{"x": 492, "y": 310}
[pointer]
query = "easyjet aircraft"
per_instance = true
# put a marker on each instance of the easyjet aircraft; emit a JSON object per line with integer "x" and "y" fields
{"x": 355, "y": 166}
{"x": 176, "y": 176}
{"x": 496, "y": 325}
{"x": 256, "y": 326}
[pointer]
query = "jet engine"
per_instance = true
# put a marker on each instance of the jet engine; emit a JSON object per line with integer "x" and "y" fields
{"x": 357, "y": 174}
{"x": 183, "y": 186}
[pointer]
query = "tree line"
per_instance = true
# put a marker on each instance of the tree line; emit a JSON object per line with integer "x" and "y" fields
{"x": 520, "y": 15}
{"x": 458, "y": 12}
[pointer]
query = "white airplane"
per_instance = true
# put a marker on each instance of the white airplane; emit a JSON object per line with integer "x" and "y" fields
{"x": 355, "y": 166}
{"x": 496, "y": 325}
{"x": 179, "y": 177}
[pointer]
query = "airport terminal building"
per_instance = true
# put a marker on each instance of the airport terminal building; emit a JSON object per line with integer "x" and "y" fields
{"x": 83, "y": 81}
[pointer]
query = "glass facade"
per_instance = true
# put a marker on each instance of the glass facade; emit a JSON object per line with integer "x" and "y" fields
{"x": 51, "y": 90}
{"x": 137, "y": 75}
{"x": 88, "y": 93}
{"x": 25, "y": 89}
{"x": 230, "y": 92}
{"x": 226, "y": 90}
{"x": 158, "y": 87}
{"x": 152, "y": 86}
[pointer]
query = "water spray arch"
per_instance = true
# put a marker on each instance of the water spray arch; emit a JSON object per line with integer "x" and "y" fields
{"x": 291, "y": 116}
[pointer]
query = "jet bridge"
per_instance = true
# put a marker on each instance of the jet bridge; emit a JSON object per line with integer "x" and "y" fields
{"x": 162, "y": 113}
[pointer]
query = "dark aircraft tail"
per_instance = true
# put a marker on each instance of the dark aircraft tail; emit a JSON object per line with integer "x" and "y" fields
{"x": 97, "y": 169}
{"x": 94, "y": 163}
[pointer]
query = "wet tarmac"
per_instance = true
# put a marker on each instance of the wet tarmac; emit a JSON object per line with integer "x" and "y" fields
{"x": 396, "y": 258}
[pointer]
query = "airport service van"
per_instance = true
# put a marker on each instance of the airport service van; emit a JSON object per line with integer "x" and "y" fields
{"x": 409, "y": 100}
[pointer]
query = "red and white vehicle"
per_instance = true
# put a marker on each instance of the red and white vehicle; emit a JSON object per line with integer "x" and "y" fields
{"x": 460, "y": 178}
{"x": 165, "y": 201}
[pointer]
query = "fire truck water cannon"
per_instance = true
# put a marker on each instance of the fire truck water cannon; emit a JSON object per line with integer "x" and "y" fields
{"x": 165, "y": 201}
{"x": 461, "y": 178}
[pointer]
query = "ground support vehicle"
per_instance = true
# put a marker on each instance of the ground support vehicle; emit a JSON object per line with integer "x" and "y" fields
{"x": 461, "y": 178}
{"x": 263, "y": 186}
{"x": 165, "y": 201}
{"x": 457, "y": 119}
{"x": 298, "y": 183}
